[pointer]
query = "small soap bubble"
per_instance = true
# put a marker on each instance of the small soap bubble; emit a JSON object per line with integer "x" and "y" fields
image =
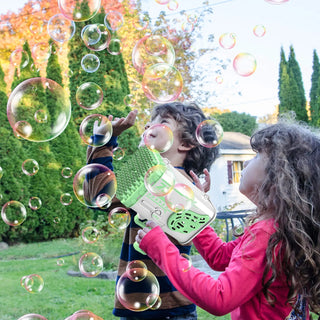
{"x": 244, "y": 64}
{"x": 113, "y": 20}
{"x": 90, "y": 264}
{"x": 141, "y": 22}
{"x": 56, "y": 220}
{"x": 35, "y": 203}
{"x": 103, "y": 201}
{"x": 34, "y": 283}
{"x": 84, "y": 315}
{"x": 137, "y": 270}
{"x": 95, "y": 130}
{"x": 60, "y": 262}
{"x": 153, "y": 301}
{"x": 32, "y": 316}
{"x": 41, "y": 116}
{"x": 95, "y": 174}
{"x": 90, "y": 63}
{"x": 66, "y": 199}
{"x": 36, "y": 26}
{"x": 1, "y": 172}
{"x": 187, "y": 264}
{"x": 22, "y": 280}
{"x": 89, "y": 96}
{"x": 117, "y": 153}
{"x": 60, "y": 28}
{"x": 158, "y": 137}
{"x": 180, "y": 198}
{"x": 119, "y": 218}
{"x": 125, "y": 286}
{"x": 96, "y": 37}
{"x": 162, "y": 83}
{"x": 41, "y": 52}
{"x": 276, "y": 1}
{"x": 30, "y": 167}
{"x": 259, "y": 30}
{"x": 79, "y": 10}
{"x": 22, "y": 129}
{"x": 66, "y": 172}
{"x": 19, "y": 58}
{"x": 115, "y": 47}
{"x": 162, "y": 2}
{"x": 173, "y": 5}
{"x": 130, "y": 100}
{"x": 209, "y": 133}
{"x": 159, "y": 180}
{"x": 227, "y": 40}
{"x": 219, "y": 79}
{"x": 90, "y": 234}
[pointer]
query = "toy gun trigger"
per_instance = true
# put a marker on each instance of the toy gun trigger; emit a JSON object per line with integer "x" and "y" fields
{"x": 142, "y": 224}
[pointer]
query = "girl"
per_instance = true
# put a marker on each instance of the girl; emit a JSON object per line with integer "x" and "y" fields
{"x": 271, "y": 272}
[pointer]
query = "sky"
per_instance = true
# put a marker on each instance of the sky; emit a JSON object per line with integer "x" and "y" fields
{"x": 293, "y": 22}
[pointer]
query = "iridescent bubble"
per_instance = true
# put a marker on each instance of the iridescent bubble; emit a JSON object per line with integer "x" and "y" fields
{"x": 162, "y": 1}
{"x": 153, "y": 301}
{"x": 66, "y": 199}
{"x": 96, "y": 37}
{"x": 276, "y": 1}
{"x": 180, "y": 198}
{"x": 103, "y": 201}
{"x": 56, "y": 220}
{"x": 79, "y": 10}
{"x": 90, "y": 264}
{"x": 90, "y": 63}
{"x": 158, "y": 137}
{"x": 130, "y": 100}
{"x": 259, "y": 30}
{"x": 192, "y": 18}
{"x": 115, "y": 47}
{"x": 113, "y": 20}
{"x": 162, "y": 83}
{"x": 245, "y": 64}
{"x": 227, "y": 40}
{"x": 22, "y": 280}
{"x": 41, "y": 52}
{"x": 28, "y": 98}
{"x": 84, "y": 315}
{"x": 89, "y": 96}
{"x": 125, "y": 287}
{"x": 187, "y": 27}
{"x": 60, "y": 28}
{"x": 101, "y": 177}
{"x": 119, "y": 218}
{"x": 173, "y": 5}
{"x": 34, "y": 283}
{"x": 32, "y": 316}
{"x": 137, "y": 270}
{"x": 209, "y": 133}
{"x": 19, "y": 58}
{"x": 150, "y": 50}
{"x": 159, "y": 180}
{"x": 1, "y": 172}
{"x": 187, "y": 263}
{"x": 13, "y": 213}
{"x": 117, "y": 153}
{"x": 90, "y": 234}
{"x": 219, "y": 79}
{"x": 35, "y": 203}
{"x": 100, "y": 136}
{"x": 36, "y": 26}
{"x": 66, "y": 172}
{"x": 41, "y": 116}
{"x": 141, "y": 22}
{"x": 60, "y": 262}
{"x": 30, "y": 167}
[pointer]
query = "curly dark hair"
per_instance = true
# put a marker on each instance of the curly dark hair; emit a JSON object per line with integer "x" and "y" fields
{"x": 188, "y": 116}
{"x": 290, "y": 194}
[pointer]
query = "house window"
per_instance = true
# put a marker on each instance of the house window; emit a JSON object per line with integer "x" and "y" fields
{"x": 234, "y": 171}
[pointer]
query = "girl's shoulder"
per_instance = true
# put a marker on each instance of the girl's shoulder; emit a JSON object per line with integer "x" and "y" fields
{"x": 267, "y": 226}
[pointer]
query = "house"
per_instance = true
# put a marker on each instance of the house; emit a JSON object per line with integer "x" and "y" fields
{"x": 225, "y": 173}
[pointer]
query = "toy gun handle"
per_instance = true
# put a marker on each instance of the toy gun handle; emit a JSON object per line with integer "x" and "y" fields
{"x": 142, "y": 224}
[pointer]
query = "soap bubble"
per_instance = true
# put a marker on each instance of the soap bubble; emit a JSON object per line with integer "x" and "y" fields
{"x": 137, "y": 302}
{"x": 13, "y": 213}
{"x": 90, "y": 234}
{"x": 41, "y": 52}
{"x": 60, "y": 262}
{"x": 113, "y": 20}
{"x": 101, "y": 136}
{"x": 219, "y": 79}
{"x": 162, "y": 83}
{"x": 56, "y": 220}
{"x": 103, "y": 200}
{"x": 66, "y": 172}
{"x": 129, "y": 100}
{"x": 35, "y": 203}
{"x": 115, "y": 47}
{"x": 84, "y": 315}
{"x": 137, "y": 270}
{"x": 32, "y": 316}
{"x": 93, "y": 177}
{"x": 153, "y": 301}
{"x": 66, "y": 199}
{"x": 34, "y": 283}
{"x": 79, "y": 10}
{"x": 141, "y": 22}
{"x": 96, "y": 37}
{"x": 1, "y": 172}
{"x": 41, "y": 116}
{"x": 187, "y": 263}
{"x": 119, "y": 218}
{"x": 159, "y": 180}
{"x": 158, "y": 137}
{"x": 227, "y": 40}
{"x": 150, "y": 50}
{"x": 162, "y": 1}
{"x": 117, "y": 153}
{"x": 259, "y": 30}
{"x": 30, "y": 167}
{"x": 173, "y": 5}
{"x": 90, "y": 264}
{"x": 90, "y": 63}
{"x": 89, "y": 96}
{"x": 19, "y": 58}
{"x": 209, "y": 133}
{"x": 180, "y": 198}
{"x": 276, "y": 1}
{"x": 60, "y": 28}
{"x": 36, "y": 26}
{"x": 244, "y": 64}
{"x": 29, "y": 97}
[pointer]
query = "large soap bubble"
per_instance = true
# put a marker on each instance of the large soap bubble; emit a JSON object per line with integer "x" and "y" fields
{"x": 32, "y": 316}
{"x": 60, "y": 28}
{"x": 96, "y": 37}
{"x": 31, "y": 96}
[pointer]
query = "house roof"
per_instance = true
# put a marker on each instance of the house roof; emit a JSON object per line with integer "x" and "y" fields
{"x": 235, "y": 140}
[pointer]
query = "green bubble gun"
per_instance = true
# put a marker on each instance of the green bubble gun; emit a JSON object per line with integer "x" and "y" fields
{"x": 183, "y": 225}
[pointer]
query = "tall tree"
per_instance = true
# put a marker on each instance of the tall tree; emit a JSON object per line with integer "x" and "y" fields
{"x": 283, "y": 67}
{"x": 315, "y": 90}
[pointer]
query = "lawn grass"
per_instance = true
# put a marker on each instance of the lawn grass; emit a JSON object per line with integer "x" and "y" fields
{"x": 62, "y": 294}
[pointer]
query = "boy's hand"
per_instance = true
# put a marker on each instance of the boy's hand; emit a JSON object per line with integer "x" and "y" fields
{"x": 142, "y": 232}
{"x": 121, "y": 124}
{"x": 205, "y": 186}
{"x": 100, "y": 129}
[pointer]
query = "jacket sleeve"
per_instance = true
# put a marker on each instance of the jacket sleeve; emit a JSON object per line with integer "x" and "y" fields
{"x": 216, "y": 252}
{"x": 219, "y": 296}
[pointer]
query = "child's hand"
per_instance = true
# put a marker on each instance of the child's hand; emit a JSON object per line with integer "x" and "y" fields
{"x": 205, "y": 186}
{"x": 142, "y": 232}
{"x": 121, "y": 124}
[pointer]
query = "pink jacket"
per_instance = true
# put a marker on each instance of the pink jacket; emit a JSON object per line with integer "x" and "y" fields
{"x": 239, "y": 288}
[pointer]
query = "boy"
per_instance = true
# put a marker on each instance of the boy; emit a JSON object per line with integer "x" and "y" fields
{"x": 191, "y": 159}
